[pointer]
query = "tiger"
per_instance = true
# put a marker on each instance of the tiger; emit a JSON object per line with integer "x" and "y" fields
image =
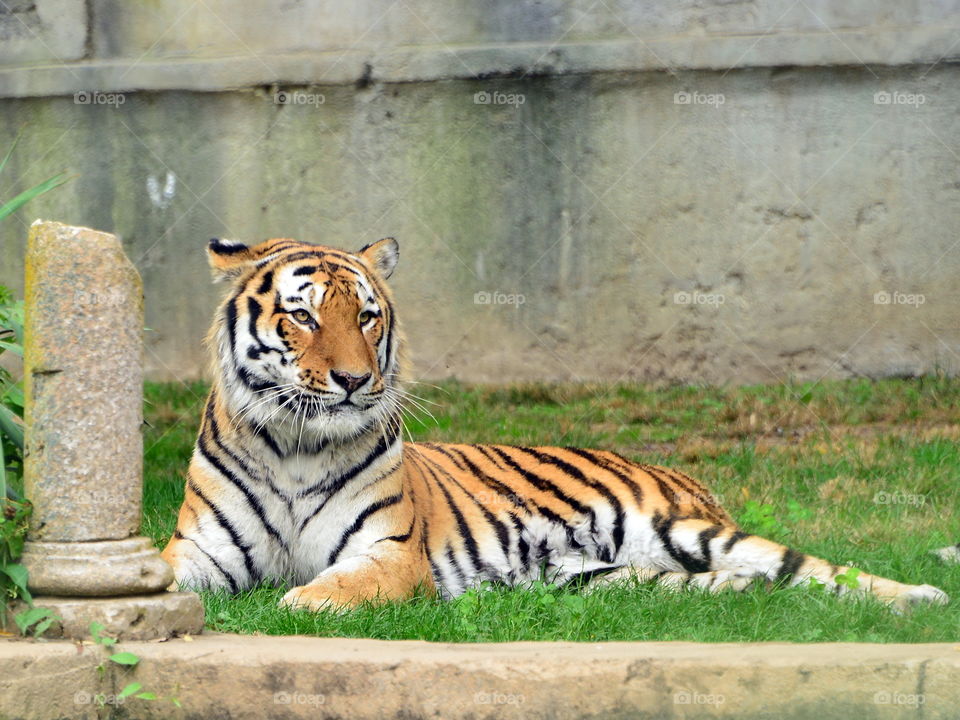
{"x": 949, "y": 554}
{"x": 300, "y": 474}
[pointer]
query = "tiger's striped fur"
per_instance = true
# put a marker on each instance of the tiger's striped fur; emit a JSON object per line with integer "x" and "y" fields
{"x": 950, "y": 554}
{"x": 300, "y": 472}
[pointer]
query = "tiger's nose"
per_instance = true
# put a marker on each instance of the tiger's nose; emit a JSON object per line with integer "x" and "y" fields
{"x": 347, "y": 381}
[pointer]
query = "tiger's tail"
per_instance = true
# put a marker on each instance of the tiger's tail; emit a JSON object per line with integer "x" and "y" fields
{"x": 716, "y": 557}
{"x": 949, "y": 554}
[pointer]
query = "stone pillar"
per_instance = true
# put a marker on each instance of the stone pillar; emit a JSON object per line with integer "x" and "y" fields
{"x": 83, "y": 365}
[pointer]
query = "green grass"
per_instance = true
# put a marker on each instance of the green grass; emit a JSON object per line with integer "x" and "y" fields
{"x": 803, "y": 464}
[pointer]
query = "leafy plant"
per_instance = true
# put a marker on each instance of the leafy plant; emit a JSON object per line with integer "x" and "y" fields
{"x": 124, "y": 659}
{"x": 14, "y": 512}
{"x": 849, "y": 578}
{"x": 11, "y": 394}
{"x": 760, "y": 519}
{"x": 35, "y": 620}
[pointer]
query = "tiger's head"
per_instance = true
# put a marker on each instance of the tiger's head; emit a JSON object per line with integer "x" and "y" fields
{"x": 306, "y": 342}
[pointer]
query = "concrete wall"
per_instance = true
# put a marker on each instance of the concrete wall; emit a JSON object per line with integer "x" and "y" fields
{"x": 242, "y": 677}
{"x": 696, "y": 191}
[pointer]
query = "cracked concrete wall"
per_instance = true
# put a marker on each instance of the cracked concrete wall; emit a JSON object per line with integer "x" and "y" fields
{"x": 780, "y": 219}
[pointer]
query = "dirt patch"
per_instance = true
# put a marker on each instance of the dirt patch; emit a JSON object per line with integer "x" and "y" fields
{"x": 692, "y": 448}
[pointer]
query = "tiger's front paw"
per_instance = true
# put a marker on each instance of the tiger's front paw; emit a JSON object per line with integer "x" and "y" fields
{"x": 315, "y": 598}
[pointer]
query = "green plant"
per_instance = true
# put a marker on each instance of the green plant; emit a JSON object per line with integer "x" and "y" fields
{"x": 123, "y": 659}
{"x": 34, "y": 620}
{"x": 14, "y": 512}
{"x": 11, "y": 393}
{"x": 759, "y": 519}
{"x": 849, "y": 578}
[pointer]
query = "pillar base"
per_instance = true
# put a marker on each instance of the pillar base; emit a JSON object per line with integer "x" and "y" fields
{"x": 134, "y": 617}
{"x": 95, "y": 569}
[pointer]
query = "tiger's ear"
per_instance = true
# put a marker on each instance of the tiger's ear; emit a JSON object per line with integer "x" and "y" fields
{"x": 231, "y": 258}
{"x": 382, "y": 255}
{"x": 228, "y": 258}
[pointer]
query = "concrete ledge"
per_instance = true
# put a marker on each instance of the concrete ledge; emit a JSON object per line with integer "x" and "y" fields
{"x": 229, "y": 676}
{"x": 889, "y": 46}
{"x": 131, "y": 617}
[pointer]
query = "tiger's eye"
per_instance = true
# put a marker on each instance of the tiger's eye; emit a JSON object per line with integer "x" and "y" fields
{"x": 365, "y": 317}
{"x": 301, "y": 316}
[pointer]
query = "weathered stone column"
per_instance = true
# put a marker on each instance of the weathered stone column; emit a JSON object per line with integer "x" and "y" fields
{"x": 83, "y": 364}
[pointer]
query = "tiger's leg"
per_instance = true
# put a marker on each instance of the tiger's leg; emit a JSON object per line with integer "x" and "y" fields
{"x": 203, "y": 554}
{"x": 712, "y": 581}
{"x": 193, "y": 568}
{"x": 725, "y": 548}
{"x": 381, "y": 574}
{"x": 716, "y": 556}
{"x": 950, "y": 554}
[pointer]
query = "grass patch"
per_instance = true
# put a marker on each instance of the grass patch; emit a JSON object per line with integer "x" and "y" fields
{"x": 858, "y": 472}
